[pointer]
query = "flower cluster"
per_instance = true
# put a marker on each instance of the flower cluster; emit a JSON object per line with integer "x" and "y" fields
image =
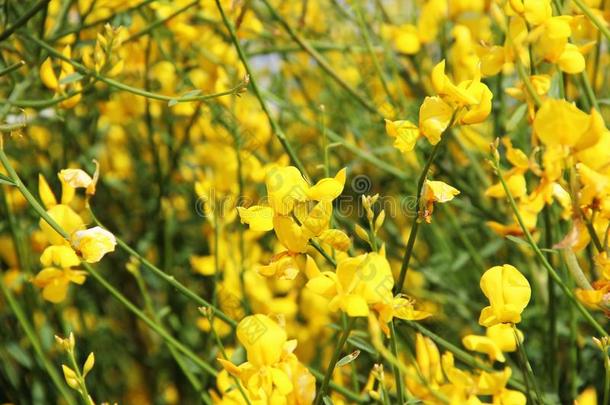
{"x": 305, "y": 202}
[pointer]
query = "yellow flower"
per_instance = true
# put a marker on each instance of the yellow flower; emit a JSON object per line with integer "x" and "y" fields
{"x": 467, "y": 103}
{"x": 328, "y": 188}
{"x": 358, "y": 282}
{"x": 66, "y": 218}
{"x": 77, "y": 178}
{"x": 536, "y": 12}
{"x": 433, "y": 192}
{"x": 404, "y": 38}
{"x": 53, "y": 82}
{"x": 92, "y": 244}
{"x": 503, "y": 336}
{"x": 405, "y": 134}
{"x": 45, "y": 193}
{"x": 285, "y": 187}
{"x": 259, "y": 218}
{"x": 272, "y": 374}
{"x": 559, "y": 122}
{"x": 484, "y": 344}
{"x": 57, "y": 273}
{"x": 428, "y": 359}
{"x": 400, "y": 307}
{"x": 434, "y": 118}
{"x": 595, "y": 186}
{"x": 498, "y": 338}
{"x": 587, "y": 397}
{"x": 571, "y": 60}
{"x": 508, "y": 292}
{"x": 262, "y": 338}
{"x": 297, "y": 212}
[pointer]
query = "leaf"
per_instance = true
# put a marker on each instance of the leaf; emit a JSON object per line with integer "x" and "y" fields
{"x": 349, "y": 358}
{"x": 19, "y": 355}
{"x": 518, "y": 241}
{"x": 191, "y": 93}
{"x": 327, "y": 401}
{"x": 71, "y": 78}
{"x": 6, "y": 180}
{"x": 188, "y": 94}
{"x": 362, "y": 344}
{"x": 516, "y": 117}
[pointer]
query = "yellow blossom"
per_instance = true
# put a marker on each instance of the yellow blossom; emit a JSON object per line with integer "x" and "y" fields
{"x": 508, "y": 292}
{"x": 92, "y": 244}
{"x": 57, "y": 273}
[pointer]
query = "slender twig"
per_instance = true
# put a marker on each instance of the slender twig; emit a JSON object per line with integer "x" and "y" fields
{"x": 97, "y": 276}
{"x": 333, "y": 361}
{"x": 415, "y": 224}
{"x": 397, "y": 374}
{"x": 148, "y": 304}
{"x": 83, "y": 391}
{"x": 585, "y": 313}
{"x": 257, "y": 93}
{"x": 21, "y": 21}
{"x": 138, "y": 92}
{"x": 162, "y": 21}
{"x": 528, "y": 84}
{"x": 321, "y": 60}
{"x": 31, "y": 335}
{"x": 529, "y": 372}
{"x": 170, "y": 279}
{"x": 11, "y": 68}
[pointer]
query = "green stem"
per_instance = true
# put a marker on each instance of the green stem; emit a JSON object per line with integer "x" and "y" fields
{"x": 149, "y": 306}
{"x": 606, "y": 396}
{"x": 396, "y": 370}
{"x": 84, "y": 392}
{"x": 586, "y": 85}
{"x": 528, "y": 84}
{"x": 21, "y": 21}
{"x": 11, "y": 68}
{"x": 333, "y": 360}
{"x": 139, "y": 92}
{"x": 585, "y": 313}
{"x": 46, "y": 102}
{"x": 169, "y": 279}
{"x": 529, "y": 372}
{"x": 31, "y": 335}
{"x": 98, "y": 277}
{"x": 320, "y": 60}
{"x": 274, "y": 125}
{"x": 152, "y": 324}
{"x": 352, "y": 396}
{"x": 552, "y": 307}
{"x": 415, "y": 224}
{"x": 369, "y": 47}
